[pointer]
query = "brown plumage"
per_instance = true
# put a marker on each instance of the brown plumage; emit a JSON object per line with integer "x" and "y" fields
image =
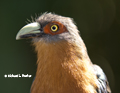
{"x": 63, "y": 65}
{"x": 61, "y": 68}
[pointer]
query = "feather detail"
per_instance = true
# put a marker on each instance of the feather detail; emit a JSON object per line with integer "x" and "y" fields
{"x": 62, "y": 69}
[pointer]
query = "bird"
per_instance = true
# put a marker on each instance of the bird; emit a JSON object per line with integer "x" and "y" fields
{"x": 63, "y": 64}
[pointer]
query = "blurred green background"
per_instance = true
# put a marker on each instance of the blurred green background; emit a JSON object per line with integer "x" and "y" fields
{"x": 97, "y": 20}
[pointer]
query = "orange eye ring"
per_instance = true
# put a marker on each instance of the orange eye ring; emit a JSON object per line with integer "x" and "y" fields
{"x": 54, "y": 28}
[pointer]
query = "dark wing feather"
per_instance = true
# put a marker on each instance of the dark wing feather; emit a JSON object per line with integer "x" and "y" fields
{"x": 102, "y": 82}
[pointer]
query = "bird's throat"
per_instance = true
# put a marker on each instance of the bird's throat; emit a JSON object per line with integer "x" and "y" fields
{"x": 61, "y": 69}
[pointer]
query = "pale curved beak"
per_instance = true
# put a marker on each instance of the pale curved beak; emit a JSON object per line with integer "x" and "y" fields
{"x": 29, "y": 30}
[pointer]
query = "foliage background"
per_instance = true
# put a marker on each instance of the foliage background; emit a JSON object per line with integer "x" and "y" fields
{"x": 97, "y": 20}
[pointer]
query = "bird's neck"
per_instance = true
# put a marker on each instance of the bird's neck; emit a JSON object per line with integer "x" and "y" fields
{"x": 62, "y": 68}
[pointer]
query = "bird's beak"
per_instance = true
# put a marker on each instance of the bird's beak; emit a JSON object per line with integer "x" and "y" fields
{"x": 29, "y": 31}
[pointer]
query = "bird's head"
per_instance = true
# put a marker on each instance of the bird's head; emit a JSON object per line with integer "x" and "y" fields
{"x": 50, "y": 28}
{"x": 51, "y": 32}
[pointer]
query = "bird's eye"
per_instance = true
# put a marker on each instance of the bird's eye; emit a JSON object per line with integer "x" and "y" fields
{"x": 54, "y": 28}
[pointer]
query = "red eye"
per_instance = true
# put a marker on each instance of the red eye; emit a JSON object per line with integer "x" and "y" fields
{"x": 54, "y": 28}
